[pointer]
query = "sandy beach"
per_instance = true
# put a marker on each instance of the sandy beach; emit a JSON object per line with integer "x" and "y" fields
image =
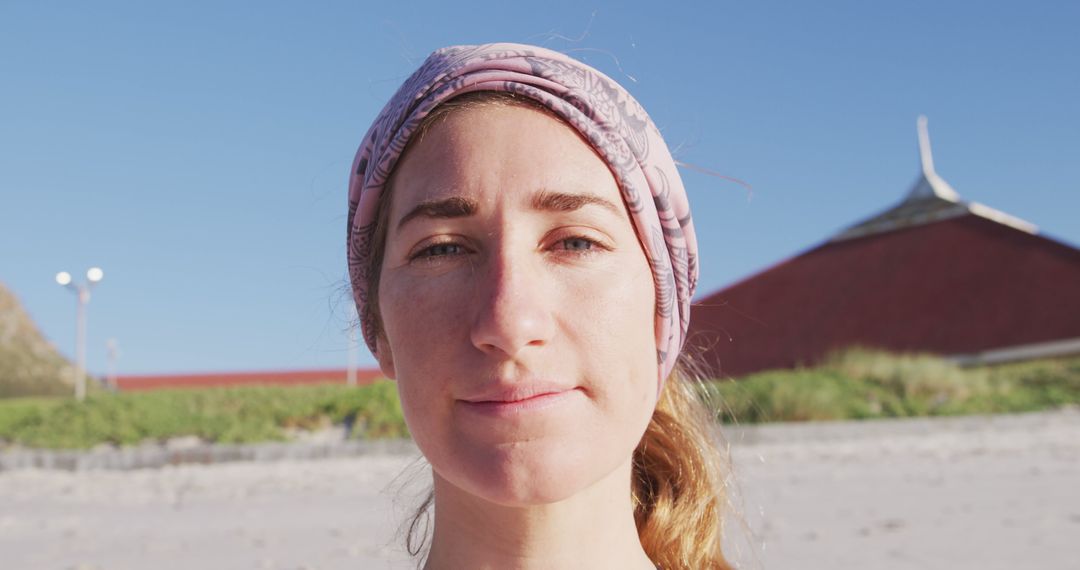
{"x": 983, "y": 493}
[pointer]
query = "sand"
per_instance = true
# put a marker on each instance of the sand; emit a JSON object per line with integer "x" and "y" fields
{"x": 990, "y": 493}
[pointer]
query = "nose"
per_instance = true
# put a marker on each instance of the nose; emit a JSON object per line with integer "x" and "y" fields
{"x": 514, "y": 306}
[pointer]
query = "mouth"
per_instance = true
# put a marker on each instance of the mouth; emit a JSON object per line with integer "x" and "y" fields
{"x": 519, "y": 401}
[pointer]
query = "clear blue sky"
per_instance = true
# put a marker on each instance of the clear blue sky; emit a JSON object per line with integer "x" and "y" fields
{"x": 199, "y": 151}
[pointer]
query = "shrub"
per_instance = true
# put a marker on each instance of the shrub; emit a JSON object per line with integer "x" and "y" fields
{"x": 862, "y": 383}
{"x": 795, "y": 395}
{"x": 226, "y": 415}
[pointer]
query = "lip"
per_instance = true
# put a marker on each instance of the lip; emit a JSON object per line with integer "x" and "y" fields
{"x": 503, "y": 400}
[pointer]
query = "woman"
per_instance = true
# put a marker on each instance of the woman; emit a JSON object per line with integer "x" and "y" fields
{"x": 522, "y": 259}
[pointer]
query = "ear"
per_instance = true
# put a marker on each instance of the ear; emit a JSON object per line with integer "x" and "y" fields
{"x": 385, "y": 356}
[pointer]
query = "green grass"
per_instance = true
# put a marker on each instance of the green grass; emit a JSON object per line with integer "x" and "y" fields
{"x": 860, "y": 384}
{"x": 853, "y": 384}
{"x": 226, "y": 415}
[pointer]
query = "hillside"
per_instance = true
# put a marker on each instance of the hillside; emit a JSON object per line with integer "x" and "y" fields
{"x": 29, "y": 364}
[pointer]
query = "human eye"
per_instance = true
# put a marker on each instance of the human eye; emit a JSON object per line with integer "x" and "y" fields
{"x": 437, "y": 251}
{"x": 579, "y": 245}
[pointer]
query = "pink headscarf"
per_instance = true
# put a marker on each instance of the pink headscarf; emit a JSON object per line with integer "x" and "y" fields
{"x": 599, "y": 108}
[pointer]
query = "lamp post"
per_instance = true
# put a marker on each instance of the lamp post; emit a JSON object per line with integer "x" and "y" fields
{"x": 110, "y": 375}
{"x": 82, "y": 295}
{"x": 350, "y": 377}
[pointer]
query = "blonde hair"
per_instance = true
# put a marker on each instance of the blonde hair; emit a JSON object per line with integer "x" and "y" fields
{"x": 678, "y": 489}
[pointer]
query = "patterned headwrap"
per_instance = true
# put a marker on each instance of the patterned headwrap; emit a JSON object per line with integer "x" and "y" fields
{"x": 599, "y": 108}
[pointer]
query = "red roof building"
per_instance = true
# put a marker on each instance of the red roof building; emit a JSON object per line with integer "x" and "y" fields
{"x": 933, "y": 274}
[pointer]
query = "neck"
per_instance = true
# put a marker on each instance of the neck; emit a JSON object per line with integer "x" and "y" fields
{"x": 592, "y": 529}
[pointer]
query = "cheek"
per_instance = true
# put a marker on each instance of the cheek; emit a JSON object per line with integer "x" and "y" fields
{"x": 618, "y": 349}
{"x": 421, "y": 317}
{"x": 423, "y": 328}
{"x": 618, "y": 312}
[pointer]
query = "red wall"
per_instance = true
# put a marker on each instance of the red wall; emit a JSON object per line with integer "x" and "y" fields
{"x": 208, "y": 380}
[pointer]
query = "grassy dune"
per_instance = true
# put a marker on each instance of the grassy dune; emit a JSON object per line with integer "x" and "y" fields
{"x": 853, "y": 384}
{"x": 226, "y": 415}
{"x": 861, "y": 384}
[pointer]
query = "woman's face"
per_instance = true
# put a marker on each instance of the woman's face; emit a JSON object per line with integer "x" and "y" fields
{"x": 517, "y": 307}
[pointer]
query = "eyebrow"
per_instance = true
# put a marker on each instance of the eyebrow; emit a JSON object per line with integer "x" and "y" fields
{"x": 459, "y": 207}
{"x": 564, "y": 202}
{"x": 452, "y": 207}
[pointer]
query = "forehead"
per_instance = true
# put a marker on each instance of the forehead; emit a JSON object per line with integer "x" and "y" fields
{"x": 499, "y": 151}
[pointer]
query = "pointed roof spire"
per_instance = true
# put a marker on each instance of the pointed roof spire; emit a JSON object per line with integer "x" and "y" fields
{"x": 929, "y": 184}
{"x": 930, "y": 199}
{"x": 925, "y": 153}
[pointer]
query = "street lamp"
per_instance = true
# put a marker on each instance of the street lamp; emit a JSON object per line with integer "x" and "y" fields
{"x": 82, "y": 295}
{"x": 111, "y": 351}
{"x": 350, "y": 377}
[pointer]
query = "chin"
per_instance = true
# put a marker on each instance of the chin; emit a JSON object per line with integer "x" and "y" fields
{"x": 526, "y": 473}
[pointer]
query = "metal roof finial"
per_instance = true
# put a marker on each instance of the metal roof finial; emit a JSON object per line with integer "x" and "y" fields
{"x": 925, "y": 153}
{"x": 929, "y": 185}
{"x": 930, "y": 199}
